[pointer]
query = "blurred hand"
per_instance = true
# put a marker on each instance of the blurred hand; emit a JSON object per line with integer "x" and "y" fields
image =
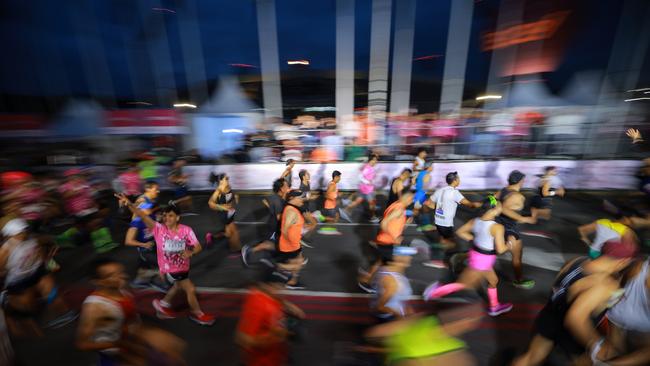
{"x": 560, "y": 192}
{"x": 635, "y": 135}
{"x": 187, "y": 254}
{"x": 529, "y": 220}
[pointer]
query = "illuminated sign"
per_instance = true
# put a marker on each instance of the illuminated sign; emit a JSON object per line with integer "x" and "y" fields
{"x": 526, "y": 32}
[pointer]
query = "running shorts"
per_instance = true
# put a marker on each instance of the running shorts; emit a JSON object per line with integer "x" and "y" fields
{"x": 542, "y": 202}
{"x": 481, "y": 261}
{"x": 550, "y": 325}
{"x": 446, "y": 232}
{"x": 284, "y": 257}
{"x": 172, "y": 278}
{"x": 329, "y": 212}
{"x": 385, "y": 253}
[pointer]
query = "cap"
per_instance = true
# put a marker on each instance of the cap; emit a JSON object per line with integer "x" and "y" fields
{"x": 294, "y": 193}
{"x": 624, "y": 248}
{"x": 404, "y": 251}
{"x": 515, "y": 177}
{"x": 14, "y": 227}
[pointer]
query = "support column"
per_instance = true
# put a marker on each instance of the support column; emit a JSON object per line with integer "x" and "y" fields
{"x": 269, "y": 58}
{"x": 400, "y": 93}
{"x": 379, "y": 53}
{"x": 190, "y": 35}
{"x": 453, "y": 82}
{"x": 344, "y": 59}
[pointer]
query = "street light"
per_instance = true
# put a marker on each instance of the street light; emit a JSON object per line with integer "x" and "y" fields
{"x": 184, "y": 105}
{"x": 489, "y": 97}
{"x": 298, "y": 62}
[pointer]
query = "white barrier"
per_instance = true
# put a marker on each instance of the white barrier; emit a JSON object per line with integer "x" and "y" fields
{"x": 474, "y": 175}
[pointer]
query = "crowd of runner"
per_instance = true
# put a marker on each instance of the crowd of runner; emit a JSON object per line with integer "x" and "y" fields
{"x": 598, "y": 311}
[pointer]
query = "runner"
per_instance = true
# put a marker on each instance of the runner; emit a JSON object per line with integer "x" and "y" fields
{"x": 393, "y": 288}
{"x": 287, "y": 174}
{"x": 262, "y": 332}
{"x": 130, "y": 182}
{"x": 292, "y": 228}
{"x": 367, "y": 188}
{"x": 330, "y": 205}
{"x": 445, "y": 201}
{"x": 175, "y": 244}
{"x": 629, "y": 319}
{"x": 606, "y": 230}
{"x": 179, "y": 180}
{"x": 140, "y": 237}
{"x": 399, "y": 184}
{"x": 110, "y": 324}
{"x": 583, "y": 291}
{"x": 29, "y": 286}
{"x": 391, "y": 229}
{"x": 513, "y": 202}
{"x": 549, "y": 186}
{"x": 314, "y": 217}
{"x": 421, "y": 211}
{"x": 488, "y": 240}
{"x": 275, "y": 205}
{"x": 223, "y": 200}
{"x": 418, "y": 164}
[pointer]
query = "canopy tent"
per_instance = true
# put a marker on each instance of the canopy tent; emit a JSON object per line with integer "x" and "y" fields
{"x": 224, "y": 119}
{"x": 78, "y": 119}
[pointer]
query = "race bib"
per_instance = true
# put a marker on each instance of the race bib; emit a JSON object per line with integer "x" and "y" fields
{"x": 170, "y": 245}
{"x": 440, "y": 212}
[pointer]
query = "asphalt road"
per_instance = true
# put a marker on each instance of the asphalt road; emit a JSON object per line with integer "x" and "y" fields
{"x": 337, "y": 310}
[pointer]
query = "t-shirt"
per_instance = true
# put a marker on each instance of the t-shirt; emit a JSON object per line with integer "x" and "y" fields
{"x": 276, "y": 206}
{"x": 367, "y": 177}
{"x": 446, "y": 200}
{"x": 131, "y": 183}
{"x": 170, "y": 246}
{"x": 260, "y": 313}
{"x": 81, "y": 198}
{"x": 143, "y": 234}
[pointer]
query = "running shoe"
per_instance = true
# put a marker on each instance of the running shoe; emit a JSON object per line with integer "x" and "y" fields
{"x": 435, "y": 263}
{"x": 245, "y": 251}
{"x": 62, "y": 320}
{"x": 208, "y": 240}
{"x": 305, "y": 261}
{"x": 306, "y": 244}
{"x": 295, "y": 286}
{"x": 203, "y": 319}
{"x": 425, "y": 228}
{"x": 429, "y": 290}
{"x": 140, "y": 283}
{"x": 499, "y": 309}
{"x": 328, "y": 231}
{"x": 525, "y": 284}
{"x": 318, "y": 216}
{"x": 344, "y": 215}
{"x": 267, "y": 262}
{"x": 374, "y": 219}
{"x": 367, "y": 288}
{"x": 162, "y": 312}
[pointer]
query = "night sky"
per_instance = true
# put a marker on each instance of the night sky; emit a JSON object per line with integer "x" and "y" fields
{"x": 115, "y": 48}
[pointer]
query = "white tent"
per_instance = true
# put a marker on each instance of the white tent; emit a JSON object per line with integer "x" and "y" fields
{"x": 223, "y": 120}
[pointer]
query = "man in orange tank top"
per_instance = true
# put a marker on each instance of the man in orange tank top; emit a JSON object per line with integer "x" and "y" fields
{"x": 292, "y": 228}
{"x": 390, "y": 234}
{"x": 330, "y": 205}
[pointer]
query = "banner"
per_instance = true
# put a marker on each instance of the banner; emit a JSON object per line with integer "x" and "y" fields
{"x": 474, "y": 175}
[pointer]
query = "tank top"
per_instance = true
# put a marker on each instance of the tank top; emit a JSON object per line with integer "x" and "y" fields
{"x": 122, "y": 312}
{"x": 395, "y": 227}
{"x": 483, "y": 239}
{"x": 291, "y": 241}
{"x": 305, "y": 188}
{"x": 400, "y": 298}
{"x": 607, "y": 230}
{"x": 227, "y": 199}
{"x": 419, "y": 181}
{"x": 633, "y": 311}
{"x": 148, "y": 204}
{"x": 330, "y": 197}
{"x": 23, "y": 261}
{"x": 392, "y": 196}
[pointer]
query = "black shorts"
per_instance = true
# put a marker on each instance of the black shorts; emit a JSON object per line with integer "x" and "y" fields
{"x": 510, "y": 226}
{"x": 27, "y": 282}
{"x": 172, "y": 278}
{"x": 550, "y": 325}
{"x": 284, "y": 257}
{"x": 330, "y": 212}
{"x": 446, "y": 232}
{"x": 147, "y": 258}
{"x": 384, "y": 253}
{"x": 542, "y": 202}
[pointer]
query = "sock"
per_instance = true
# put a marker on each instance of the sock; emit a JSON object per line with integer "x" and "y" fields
{"x": 493, "y": 298}
{"x": 447, "y": 289}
